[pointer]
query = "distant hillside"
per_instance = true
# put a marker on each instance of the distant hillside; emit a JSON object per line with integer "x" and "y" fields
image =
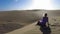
{"x": 25, "y": 15}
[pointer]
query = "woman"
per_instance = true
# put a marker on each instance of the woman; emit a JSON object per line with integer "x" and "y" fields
{"x": 43, "y": 21}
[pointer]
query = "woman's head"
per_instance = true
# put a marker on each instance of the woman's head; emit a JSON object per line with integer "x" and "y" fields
{"x": 45, "y": 15}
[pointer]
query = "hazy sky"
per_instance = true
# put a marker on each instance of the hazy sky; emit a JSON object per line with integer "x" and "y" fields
{"x": 29, "y": 4}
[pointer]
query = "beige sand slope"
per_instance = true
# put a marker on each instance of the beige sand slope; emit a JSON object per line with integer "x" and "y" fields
{"x": 28, "y": 17}
{"x": 24, "y": 29}
{"x": 33, "y": 29}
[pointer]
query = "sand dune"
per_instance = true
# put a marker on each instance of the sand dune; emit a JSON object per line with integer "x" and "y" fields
{"x": 33, "y": 29}
{"x": 25, "y": 18}
{"x": 13, "y": 20}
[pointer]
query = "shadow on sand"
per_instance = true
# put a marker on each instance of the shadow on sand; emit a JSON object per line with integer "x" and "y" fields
{"x": 5, "y": 28}
{"x": 45, "y": 30}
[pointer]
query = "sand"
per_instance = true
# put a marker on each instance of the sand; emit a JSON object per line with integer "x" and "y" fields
{"x": 24, "y": 22}
{"x": 34, "y": 29}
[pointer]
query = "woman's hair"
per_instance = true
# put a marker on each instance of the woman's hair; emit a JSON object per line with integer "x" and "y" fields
{"x": 45, "y": 15}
